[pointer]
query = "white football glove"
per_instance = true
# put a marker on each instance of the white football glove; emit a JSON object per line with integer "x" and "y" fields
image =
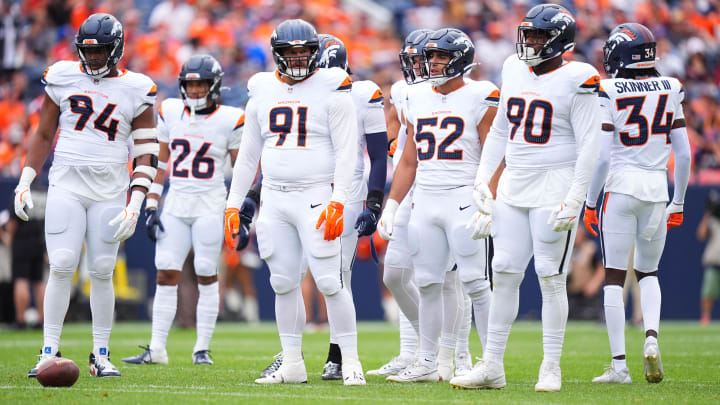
{"x": 128, "y": 217}
{"x": 23, "y": 198}
{"x": 386, "y": 223}
{"x": 565, "y": 216}
{"x": 483, "y": 198}
{"x": 480, "y": 224}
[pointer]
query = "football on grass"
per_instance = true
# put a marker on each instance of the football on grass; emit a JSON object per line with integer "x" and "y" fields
{"x": 58, "y": 372}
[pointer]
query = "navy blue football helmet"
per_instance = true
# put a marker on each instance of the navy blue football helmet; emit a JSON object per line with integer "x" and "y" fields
{"x": 291, "y": 34}
{"x": 457, "y": 45}
{"x": 629, "y": 46}
{"x": 205, "y": 68}
{"x": 411, "y": 57}
{"x": 100, "y": 31}
{"x": 549, "y": 26}
{"x": 333, "y": 53}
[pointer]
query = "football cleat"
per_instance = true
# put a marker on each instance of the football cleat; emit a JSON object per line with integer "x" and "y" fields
{"x": 332, "y": 371}
{"x": 148, "y": 357}
{"x": 610, "y": 376}
{"x": 287, "y": 373}
{"x": 416, "y": 372}
{"x": 463, "y": 363}
{"x": 485, "y": 375}
{"x": 653, "y": 365}
{"x": 352, "y": 373}
{"x": 101, "y": 366}
{"x": 41, "y": 357}
{"x": 277, "y": 362}
{"x": 202, "y": 357}
{"x": 549, "y": 378}
{"x": 393, "y": 367}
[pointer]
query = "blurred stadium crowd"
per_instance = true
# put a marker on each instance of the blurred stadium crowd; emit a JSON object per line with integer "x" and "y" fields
{"x": 160, "y": 36}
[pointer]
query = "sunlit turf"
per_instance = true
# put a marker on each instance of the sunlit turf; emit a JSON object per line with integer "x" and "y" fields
{"x": 691, "y": 357}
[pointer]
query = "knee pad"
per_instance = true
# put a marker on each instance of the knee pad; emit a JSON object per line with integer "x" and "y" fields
{"x": 477, "y": 286}
{"x": 164, "y": 261}
{"x": 501, "y": 261}
{"x": 102, "y": 267}
{"x": 63, "y": 260}
{"x": 283, "y": 285}
{"x": 507, "y": 280}
{"x": 555, "y": 285}
{"x": 205, "y": 267}
{"x": 328, "y": 285}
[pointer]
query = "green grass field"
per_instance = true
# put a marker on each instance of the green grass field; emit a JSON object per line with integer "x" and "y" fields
{"x": 691, "y": 357}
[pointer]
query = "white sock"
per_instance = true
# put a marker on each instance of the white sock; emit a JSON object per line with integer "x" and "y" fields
{"x": 479, "y": 292}
{"x": 453, "y": 311}
{"x": 402, "y": 286}
{"x": 207, "y": 312}
{"x": 503, "y": 311}
{"x": 650, "y": 298}
{"x": 615, "y": 319}
{"x": 341, "y": 317}
{"x": 554, "y": 314}
{"x": 290, "y": 318}
{"x": 102, "y": 307}
{"x": 619, "y": 364}
{"x": 463, "y": 338}
{"x": 408, "y": 337}
{"x": 55, "y": 306}
{"x": 430, "y": 323}
{"x": 164, "y": 308}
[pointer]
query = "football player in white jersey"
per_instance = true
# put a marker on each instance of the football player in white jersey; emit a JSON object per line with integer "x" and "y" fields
{"x": 372, "y": 136}
{"x": 447, "y": 119}
{"x": 197, "y": 134}
{"x": 302, "y": 121}
{"x": 642, "y": 122}
{"x": 95, "y": 108}
{"x": 398, "y": 273}
{"x": 547, "y": 131}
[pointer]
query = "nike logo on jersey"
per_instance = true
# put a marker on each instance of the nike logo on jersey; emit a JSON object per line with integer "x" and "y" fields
{"x": 462, "y": 208}
{"x": 315, "y": 205}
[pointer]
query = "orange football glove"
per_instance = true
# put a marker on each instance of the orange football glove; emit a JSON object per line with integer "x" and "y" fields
{"x": 232, "y": 226}
{"x": 590, "y": 219}
{"x": 674, "y": 215}
{"x": 332, "y": 215}
{"x": 392, "y": 147}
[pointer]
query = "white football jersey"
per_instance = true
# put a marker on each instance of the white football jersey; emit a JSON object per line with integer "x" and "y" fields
{"x": 198, "y": 151}
{"x": 642, "y": 112}
{"x": 369, "y": 106}
{"x": 398, "y": 95}
{"x": 542, "y": 146}
{"x": 446, "y": 136}
{"x": 289, "y": 128}
{"x": 96, "y": 116}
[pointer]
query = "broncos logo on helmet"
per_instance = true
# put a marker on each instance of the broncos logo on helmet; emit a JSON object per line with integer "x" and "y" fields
{"x": 629, "y": 46}
{"x": 333, "y": 53}
{"x": 457, "y": 46}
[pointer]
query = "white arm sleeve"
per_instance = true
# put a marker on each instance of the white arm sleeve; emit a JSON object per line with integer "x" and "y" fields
{"x": 601, "y": 171}
{"x": 681, "y": 149}
{"x": 344, "y": 134}
{"x": 247, "y": 160}
{"x": 493, "y": 150}
{"x": 586, "y": 126}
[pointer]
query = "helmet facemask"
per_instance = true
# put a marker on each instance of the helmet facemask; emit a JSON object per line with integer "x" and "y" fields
{"x": 526, "y": 48}
{"x": 448, "y": 69}
{"x": 413, "y": 65}
{"x": 296, "y": 67}
{"x": 196, "y": 103}
{"x": 87, "y": 63}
